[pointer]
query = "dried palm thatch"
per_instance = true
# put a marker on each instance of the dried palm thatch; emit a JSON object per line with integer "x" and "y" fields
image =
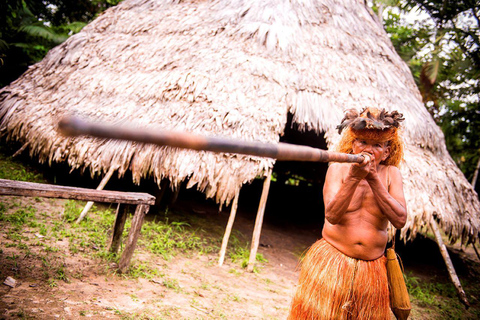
{"x": 231, "y": 68}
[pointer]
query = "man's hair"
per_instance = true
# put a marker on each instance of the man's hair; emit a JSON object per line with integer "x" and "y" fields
{"x": 372, "y": 124}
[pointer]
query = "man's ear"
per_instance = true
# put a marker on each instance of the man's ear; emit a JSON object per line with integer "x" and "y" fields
{"x": 386, "y": 153}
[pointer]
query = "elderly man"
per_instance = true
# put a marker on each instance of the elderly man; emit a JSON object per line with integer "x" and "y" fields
{"x": 343, "y": 275}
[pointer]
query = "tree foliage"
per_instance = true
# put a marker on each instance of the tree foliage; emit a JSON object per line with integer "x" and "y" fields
{"x": 440, "y": 42}
{"x": 29, "y": 28}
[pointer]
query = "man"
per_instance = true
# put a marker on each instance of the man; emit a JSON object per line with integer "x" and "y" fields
{"x": 343, "y": 275}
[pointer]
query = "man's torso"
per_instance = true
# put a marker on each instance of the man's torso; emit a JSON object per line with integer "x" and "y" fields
{"x": 362, "y": 231}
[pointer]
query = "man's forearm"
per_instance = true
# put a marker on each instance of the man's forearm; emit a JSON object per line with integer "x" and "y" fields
{"x": 395, "y": 212}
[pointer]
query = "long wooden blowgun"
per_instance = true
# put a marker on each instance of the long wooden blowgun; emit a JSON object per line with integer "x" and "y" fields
{"x": 73, "y": 126}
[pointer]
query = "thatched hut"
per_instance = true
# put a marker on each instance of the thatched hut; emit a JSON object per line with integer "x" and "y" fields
{"x": 237, "y": 69}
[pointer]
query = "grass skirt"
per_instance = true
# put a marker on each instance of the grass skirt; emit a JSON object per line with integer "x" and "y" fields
{"x": 335, "y": 286}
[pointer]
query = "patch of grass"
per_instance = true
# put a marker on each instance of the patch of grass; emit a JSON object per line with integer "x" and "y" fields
{"x": 166, "y": 238}
{"x": 54, "y": 268}
{"x": 14, "y": 235}
{"x": 71, "y": 211}
{"x": 242, "y": 254}
{"x": 20, "y": 217}
{"x": 234, "y": 271}
{"x": 134, "y": 297}
{"x": 172, "y": 284}
{"x": 143, "y": 270}
{"x": 13, "y": 257}
{"x": 439, "y": 297}
{"x": 235, "y": 298}
{"x": 43, "y": 229}
{"x": 13, "y": 169}
{"x": 426, "y": 293}
{"x": 91, "y": 234}
{"x": 52, "y": 283}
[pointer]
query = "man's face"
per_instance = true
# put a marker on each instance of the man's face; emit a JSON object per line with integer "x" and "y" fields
{"x": 379, "y": 149}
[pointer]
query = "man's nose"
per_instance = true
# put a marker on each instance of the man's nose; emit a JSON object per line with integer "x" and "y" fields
{"x": 368, "y": 148}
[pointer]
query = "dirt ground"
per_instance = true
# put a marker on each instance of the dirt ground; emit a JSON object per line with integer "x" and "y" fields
{"x": 189, "y": 286}
{"x": 198, "y": 289}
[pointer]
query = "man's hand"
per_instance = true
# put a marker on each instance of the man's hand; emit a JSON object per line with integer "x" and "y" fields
{"x": 363, "y": 170}
{"x": 372, "y": 174}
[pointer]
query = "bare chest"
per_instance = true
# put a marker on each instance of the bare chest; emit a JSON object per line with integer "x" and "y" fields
{"x": 363, "y": 198}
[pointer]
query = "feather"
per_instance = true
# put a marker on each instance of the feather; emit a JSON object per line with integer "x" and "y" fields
{"x": 370, "y": 118}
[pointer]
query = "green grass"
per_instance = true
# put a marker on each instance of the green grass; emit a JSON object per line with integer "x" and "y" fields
{"x": 19, "y": 217}
{"x": 239, "y": 252}
{"x": 172, "y": 284}
{"x": 166, "y": 238}
{"x": 143, "y": 270}
{"x": 440, "y": 298}
{"x": 13, "y": 169}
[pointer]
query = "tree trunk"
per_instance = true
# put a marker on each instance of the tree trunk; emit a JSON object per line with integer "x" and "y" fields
{"x": 475, "y": 175}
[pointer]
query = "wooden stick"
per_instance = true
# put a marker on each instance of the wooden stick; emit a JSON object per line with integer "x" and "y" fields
{"x": 448, "y": 262}
{"x": 71, "y": 126}
{"x": 102, "y": 184}
{"x": 32, "y": 189}
{"x": 118, "y": 226}
{"x": 133, "y": 235}
{"x": 228, "y": 230}
{"x": 258, "y": 222}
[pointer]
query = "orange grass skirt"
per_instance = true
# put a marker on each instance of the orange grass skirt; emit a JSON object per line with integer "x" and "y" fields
{"x": 335, "y": 286}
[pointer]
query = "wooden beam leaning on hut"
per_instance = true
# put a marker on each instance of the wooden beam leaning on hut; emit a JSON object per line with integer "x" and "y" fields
{"x": 142, "y": 201}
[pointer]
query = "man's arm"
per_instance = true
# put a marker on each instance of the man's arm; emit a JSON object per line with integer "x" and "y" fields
{"x": 338, "y": 191}
{"x": 391, "y": 202}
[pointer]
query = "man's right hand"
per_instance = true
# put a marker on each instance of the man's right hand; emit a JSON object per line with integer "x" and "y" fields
{"x": 361, "y": 170}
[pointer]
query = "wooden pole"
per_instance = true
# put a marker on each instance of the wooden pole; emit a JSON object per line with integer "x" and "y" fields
{"x": 102, "y": 185}
{"x": 448, "y": 262}
{"x": 133, "y": 235}
{"x": 71, "y": 126}
{"x": 118, "y": 226}
{"x": 259, "y": 221}
{"x": 228, "y": 230}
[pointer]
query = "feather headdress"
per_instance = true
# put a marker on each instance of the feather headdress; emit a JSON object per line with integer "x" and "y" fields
{"x": 372, "y": 124}
{"x": 370, "y": 118}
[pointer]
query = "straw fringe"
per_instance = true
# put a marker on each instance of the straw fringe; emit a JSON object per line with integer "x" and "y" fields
{"x": 335, "y": 286}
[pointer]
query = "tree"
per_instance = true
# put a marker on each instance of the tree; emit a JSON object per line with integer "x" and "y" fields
{"x": 30, "y": 28}
{"x": 442, "y": 47}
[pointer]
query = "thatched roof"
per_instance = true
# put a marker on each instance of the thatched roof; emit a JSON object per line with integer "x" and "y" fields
{"x": 231, "y": 68}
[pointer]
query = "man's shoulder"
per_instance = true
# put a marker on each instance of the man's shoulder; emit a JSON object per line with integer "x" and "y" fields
{"x": 339, "y": 165}
{"x": 338, "y": 169}
{"x": 389, "y": 168}
{"x": 391, "y": 172}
